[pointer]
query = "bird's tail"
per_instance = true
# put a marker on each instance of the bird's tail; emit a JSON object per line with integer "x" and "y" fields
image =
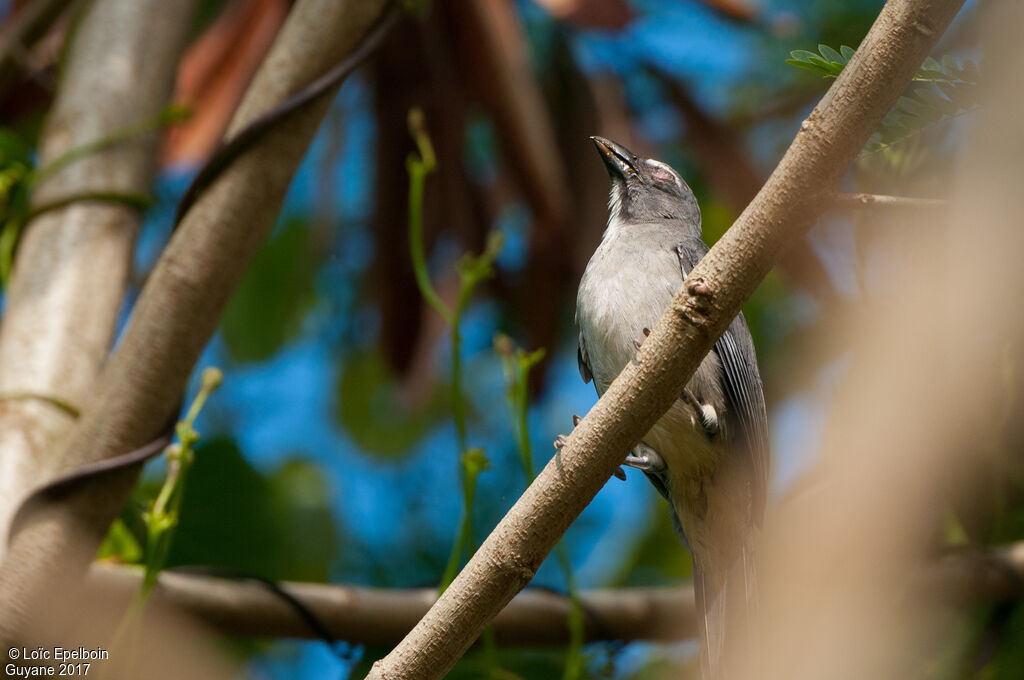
{"x": 726, "y": 594}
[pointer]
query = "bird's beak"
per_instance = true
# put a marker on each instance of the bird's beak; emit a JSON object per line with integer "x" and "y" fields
{"x": 620, "y": 161}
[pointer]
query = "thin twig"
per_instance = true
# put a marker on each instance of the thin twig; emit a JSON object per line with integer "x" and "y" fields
{"x": 62, "y": 404}
{"x": 854, "y": 201}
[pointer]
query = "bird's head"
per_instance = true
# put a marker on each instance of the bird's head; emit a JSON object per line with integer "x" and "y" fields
{"x": 645, "y": 190}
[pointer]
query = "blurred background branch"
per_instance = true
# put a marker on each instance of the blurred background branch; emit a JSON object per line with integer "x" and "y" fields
{"x": 535, "y": 617}
{"x": 19, "y": 36}
{"x": 180, "y": 307}
{"x": 853, "y": 201}
{"x": 71, "y": 272}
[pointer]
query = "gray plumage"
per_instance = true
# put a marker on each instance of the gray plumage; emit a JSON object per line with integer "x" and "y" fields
{"x": 715, "y": 480}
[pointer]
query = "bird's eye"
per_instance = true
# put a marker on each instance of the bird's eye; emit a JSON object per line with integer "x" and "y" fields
{"x": 662, "y": 175}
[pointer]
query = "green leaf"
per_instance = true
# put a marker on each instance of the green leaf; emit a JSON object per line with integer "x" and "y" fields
{"x": 928, "y": 96}
{"x": 226, "y": 518}
{"x": 14, "y": 150}
{"x": 1007, "y": 662}
{"x": 914, "y": 111}
{"x": 15, "y": 179}
{"x": 120, "y": 544}
{"x": 928, "y": 75}
{"x": 277, "y": 525}
{"x": 948, "y": 89}
{"x": 814, "y": 59}
{"x": 924, "y": 105}
{"x": 911, "y": 122}
{"x": 304, "y": 524}
{"x": 473, "y": 269}
{"x": 892, "y": 129}
{"x": 919, "y": 109}
{"x": 802, "y": 55}
{"x": 474, "y": 461}
{"x": 831, "y": 55}
{"x": 964, "y": 96}
{"x": 874, "y": 142}
{"x": 807, "y": 66}
{"x": 376, "y": 413}
{"x": 268, "y": 308}
{"x": 10, "y": 236}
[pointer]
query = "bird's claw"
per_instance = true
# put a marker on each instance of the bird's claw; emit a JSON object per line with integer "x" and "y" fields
{"x": 638, "y": 343}
{"x": 562, "y": 439}
{"x": 646, "y": 459}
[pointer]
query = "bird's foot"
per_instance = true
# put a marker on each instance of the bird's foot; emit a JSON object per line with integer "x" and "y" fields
{"x": 705, "y": 414}
{"x": 638, "y": 342}
{"x": 562, "y": 439}
{"x": 646, "y": 459}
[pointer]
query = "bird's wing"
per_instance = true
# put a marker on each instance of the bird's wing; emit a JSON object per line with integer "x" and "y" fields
{"x": 745, "y": 396}
{"x": 725, "y": 578}
{"x": 743, "y": 391}
{"x": 583, "y": 361}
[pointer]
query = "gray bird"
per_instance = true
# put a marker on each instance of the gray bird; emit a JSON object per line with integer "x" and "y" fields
{"x": 709, "y": 454}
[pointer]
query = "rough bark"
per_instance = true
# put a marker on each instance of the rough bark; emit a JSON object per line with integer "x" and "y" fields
{"x": 73, "y": 263}
{"x": 783, "y": 210}
{"x": 181, "y": 304}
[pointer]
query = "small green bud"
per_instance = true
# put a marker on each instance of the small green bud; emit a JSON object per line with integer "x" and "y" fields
{"x": 504, "y": 345}
{"x": 211, "y": 379}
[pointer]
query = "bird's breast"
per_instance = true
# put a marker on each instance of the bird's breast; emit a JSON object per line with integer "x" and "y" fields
{"x": 627, "y": 285}
{"x": 625, "y": 289}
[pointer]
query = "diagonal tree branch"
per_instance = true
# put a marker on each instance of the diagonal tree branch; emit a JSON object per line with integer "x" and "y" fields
{"x": 73, "y": 263}
{"x": 799, "y": 188}
{"x": 181, "y": 304}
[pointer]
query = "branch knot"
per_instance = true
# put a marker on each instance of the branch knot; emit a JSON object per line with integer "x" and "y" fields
{"x": 697, "y": 304}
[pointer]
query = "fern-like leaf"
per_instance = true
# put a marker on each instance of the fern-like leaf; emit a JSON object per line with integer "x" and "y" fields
{"x": 947, "y": 89}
